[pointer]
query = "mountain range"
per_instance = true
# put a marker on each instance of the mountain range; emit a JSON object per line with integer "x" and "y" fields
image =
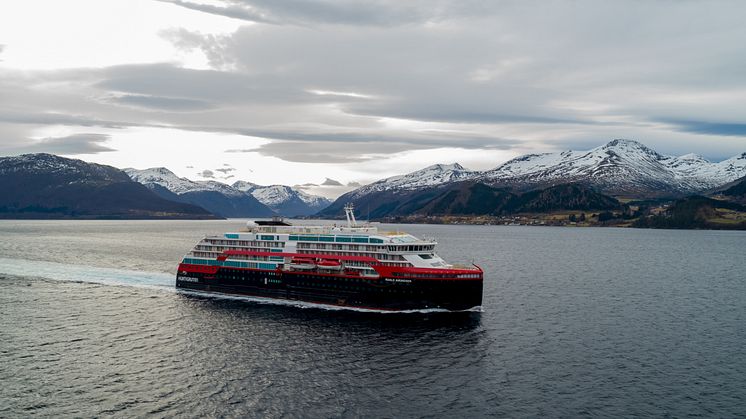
{"x": 620, "y": 168}
{"x": 49, "y": 186}
{"x": 284, "y": 199}
{"x": 242, "y": 199}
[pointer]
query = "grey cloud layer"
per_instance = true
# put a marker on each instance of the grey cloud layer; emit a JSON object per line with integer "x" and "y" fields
{"x": 85, "y": 143}
{"x": 322, "y": 80}
{"x": 345, "y": 12}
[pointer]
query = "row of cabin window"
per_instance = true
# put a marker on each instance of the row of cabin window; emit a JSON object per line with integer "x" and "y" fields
{"x": 337, "y": 239}
{"x": 241, "y": 243}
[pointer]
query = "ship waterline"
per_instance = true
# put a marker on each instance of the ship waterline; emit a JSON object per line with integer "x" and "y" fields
{"x": 353, "y": 265}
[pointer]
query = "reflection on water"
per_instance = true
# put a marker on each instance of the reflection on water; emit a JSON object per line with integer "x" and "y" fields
{"x": 361, "y": 321}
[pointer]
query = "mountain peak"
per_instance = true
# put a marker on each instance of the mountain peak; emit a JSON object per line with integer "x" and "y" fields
{"x": 162, "y": 170}
{"x": 621, "y": 145}
{"x": 443, "y": 167}
{"x": 244, "y": 186}
{"x": 440, "y": 168}
{"x": 624, "y": 142}
{"x": 284, "y": 199}
{"x": 693, "y": 157}
{"x": 42, "y": 157}
{"x": 434, "y": 175}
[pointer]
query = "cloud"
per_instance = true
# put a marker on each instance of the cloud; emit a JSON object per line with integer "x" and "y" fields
{"x": 172, "y": 104}
{"x": 331, "y": 182}
{"x": 83, "y": 143}
{"x": 345, "y": 12}
{"x": 715, "y": 128}
{"x": 421, "y": 75}
{"x": 207, "y": 174}
{"x": 235, "y": 12}
{"x": 209, "y": 44}
{"x": 225, "y": 170}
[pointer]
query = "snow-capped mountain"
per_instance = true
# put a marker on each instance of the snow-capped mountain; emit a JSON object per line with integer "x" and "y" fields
{"x": 393, "y": 191}
{"x": 706, "y": 175}
{"x": 48, "y": 186}
{"x": 50, "y": 164}
{"x": 216, "y": 197}
{"x": 620, "y": 167}
{"x": 284, "y": 199}
{"x": 437, "y": 174}
{"x": 244, "y": 186}
{"x": 178, "y": 185}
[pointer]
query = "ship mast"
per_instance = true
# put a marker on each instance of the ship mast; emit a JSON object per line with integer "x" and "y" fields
{"x": 350, "y": 214}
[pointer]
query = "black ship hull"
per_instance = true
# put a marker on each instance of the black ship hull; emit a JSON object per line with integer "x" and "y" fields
{"x": 398, "y": 294}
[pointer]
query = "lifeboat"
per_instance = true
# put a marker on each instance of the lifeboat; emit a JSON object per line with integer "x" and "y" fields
{"x": 332, "y": 265}
{"x": 302, "y": 264}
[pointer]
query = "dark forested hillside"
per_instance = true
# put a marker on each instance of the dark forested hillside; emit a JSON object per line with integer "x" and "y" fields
{"x": 49, "y": 186}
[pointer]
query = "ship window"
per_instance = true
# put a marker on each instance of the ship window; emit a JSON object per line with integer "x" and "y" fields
{"x": 426, "y": 256}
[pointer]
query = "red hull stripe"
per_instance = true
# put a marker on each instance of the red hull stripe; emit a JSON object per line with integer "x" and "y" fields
{"x": 185, "y": 267}
{"x": 389, "y": 271}
{"x": 198, "y": 268}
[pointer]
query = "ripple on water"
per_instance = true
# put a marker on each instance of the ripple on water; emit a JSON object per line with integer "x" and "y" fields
{"x": 594, "y": 322}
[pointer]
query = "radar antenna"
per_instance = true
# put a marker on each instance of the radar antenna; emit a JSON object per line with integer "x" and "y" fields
{"x": 350, "y": 214}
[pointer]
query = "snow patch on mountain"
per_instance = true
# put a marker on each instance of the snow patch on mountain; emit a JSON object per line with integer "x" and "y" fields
{"x": 178, "y": 185}
{"x": 620, "y": 165}
{"x": 434, "y": 175}
{"x": 276, "y": 195}
{"x": 313, "y": 200}
{"x": 273, "y": 194}
{"x": 44, "y": 163}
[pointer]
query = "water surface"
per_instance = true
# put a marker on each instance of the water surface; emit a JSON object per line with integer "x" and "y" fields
{"x": 576, "y": 322}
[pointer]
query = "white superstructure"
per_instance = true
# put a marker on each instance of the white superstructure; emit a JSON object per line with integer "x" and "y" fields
{"x": 266, "y": 237}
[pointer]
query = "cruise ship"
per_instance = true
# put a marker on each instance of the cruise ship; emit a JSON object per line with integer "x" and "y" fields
{"x": 352, "y": 265}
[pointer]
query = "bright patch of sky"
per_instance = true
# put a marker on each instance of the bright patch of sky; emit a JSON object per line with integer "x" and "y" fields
{"x": 49, "y": 34}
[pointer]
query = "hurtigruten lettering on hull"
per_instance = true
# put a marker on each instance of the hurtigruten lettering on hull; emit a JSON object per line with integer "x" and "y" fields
{"x": 355, "y": 266}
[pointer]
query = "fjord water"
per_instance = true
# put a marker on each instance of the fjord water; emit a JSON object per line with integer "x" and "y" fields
{"x": 575, "y": 322}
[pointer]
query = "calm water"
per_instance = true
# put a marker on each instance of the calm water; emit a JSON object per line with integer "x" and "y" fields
{"x": 576, "y": 322}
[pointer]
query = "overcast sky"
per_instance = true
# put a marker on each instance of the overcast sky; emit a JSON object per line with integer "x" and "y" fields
{"x": 336, "y": 93}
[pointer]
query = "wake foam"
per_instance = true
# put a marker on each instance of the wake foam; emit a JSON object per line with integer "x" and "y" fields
{"x": 166, "y": 282}
{"x": 89, "y": 274}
